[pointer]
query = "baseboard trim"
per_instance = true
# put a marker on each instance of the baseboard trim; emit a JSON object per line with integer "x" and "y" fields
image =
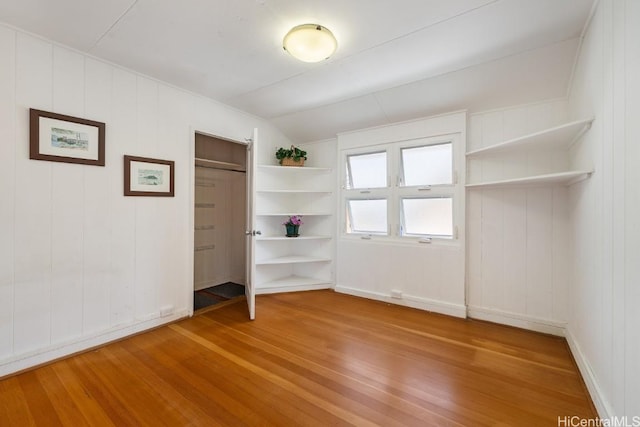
{"x": 442, "y": 307}
{"x": 597, "y": 396}
{"x": 517, "y": 320}
{"x": 49, "y": 354}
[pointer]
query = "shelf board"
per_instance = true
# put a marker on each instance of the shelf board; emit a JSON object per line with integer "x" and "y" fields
{"x": 561, "y": 178}
{"x": 293, "y": 213}
{"x": 296, "y": 191}
{"x": 292, "y": 283}
{"x": 215, "y": 164}
{"x": 275, "y": 238}
{"x": 295, "y": 168}
{"x": 557, "y": 137}
{"x": 294, "y": 259}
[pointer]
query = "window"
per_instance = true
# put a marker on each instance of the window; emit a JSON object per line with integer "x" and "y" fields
{"x": 427, "y": 165}
{"x": 367, "y": 216}
{"x": 367, "y": 170}
{"x": 403, "y": 190}
{"x": 428, "y": 217}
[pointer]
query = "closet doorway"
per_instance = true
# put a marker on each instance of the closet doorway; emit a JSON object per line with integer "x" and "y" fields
{"x": 220, "y": 211}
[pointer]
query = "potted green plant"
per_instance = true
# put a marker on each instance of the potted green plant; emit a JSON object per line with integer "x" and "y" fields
{"x": 293, "y": 156}
{"x": 292, "y": 225}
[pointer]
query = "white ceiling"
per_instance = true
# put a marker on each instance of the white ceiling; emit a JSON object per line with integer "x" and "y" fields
{"x": 396, "y": 60}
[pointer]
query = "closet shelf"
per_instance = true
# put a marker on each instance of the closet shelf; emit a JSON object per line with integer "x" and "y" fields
{"x": 294, "y": 259}
{"x": 216, "y": 164}
{"x": 561, "y": 178}
{"x": 559, "y": 137}
{"x": 287, "y": 284}
{"x": 291, "y": 239}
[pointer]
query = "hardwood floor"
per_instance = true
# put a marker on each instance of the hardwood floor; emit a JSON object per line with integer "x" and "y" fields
{"x": 311, "y": 358}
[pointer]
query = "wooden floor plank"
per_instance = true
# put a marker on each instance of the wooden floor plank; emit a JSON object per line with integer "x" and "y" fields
{"x": 310, "y": 358}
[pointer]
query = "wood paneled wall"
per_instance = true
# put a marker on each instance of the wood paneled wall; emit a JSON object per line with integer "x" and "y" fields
{"x": 517, "y": 238}
{"x": 604, "y": 320}
{"x": 80, "y": 263}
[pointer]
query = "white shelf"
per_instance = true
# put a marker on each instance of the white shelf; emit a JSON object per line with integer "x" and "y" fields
{"x": 292, "y": 283}
{"x": 559, "y": 137}
{"x": 561, "y": 178}
{"x": 294, "y": 259}
{"x": 284, "y": 191}
{"x": 276, "y": 238}
{"x": 295, "y": 191}
{"x": 294, "y": 168}
{"x": 293, "y": 213}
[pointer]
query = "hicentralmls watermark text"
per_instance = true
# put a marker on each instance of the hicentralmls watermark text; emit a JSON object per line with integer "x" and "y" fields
{"x": 575, "y": 421}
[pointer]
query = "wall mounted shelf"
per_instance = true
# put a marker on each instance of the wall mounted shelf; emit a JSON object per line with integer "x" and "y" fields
{"x": 556, "y": 139}
{"x": 561, "y": 178}
{"x": 559, "y": 137}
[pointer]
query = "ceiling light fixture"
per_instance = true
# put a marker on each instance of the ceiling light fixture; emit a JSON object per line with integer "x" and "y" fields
{"x": 310, "y": 43}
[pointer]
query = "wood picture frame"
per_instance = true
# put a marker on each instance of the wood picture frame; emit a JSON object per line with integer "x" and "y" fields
{"x": 60, "y": 138}
{"x": 144, "y": 176}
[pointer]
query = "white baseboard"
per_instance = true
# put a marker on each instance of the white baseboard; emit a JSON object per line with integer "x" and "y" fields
{"x": 601, "y": 404}
{"x": 57, "y": 351}
{"x": 442, "y": 307}
{"x": 517, "y": 320}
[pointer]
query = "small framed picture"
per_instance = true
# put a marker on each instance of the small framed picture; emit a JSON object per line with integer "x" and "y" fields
{"x": 59, "y": 138}
{"x": 148, "y": 177}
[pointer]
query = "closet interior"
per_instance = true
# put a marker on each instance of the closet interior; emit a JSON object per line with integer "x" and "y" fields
{"x": 220, "y": 215}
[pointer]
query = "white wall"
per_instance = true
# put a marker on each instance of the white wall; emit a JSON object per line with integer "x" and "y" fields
{"x": 430, "y": 277}
{"x": 517, "y": 238}
{"x": 604, "y": 320}
{"x": 80, "y": 263}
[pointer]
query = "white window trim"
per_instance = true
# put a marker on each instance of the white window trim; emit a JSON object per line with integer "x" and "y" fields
{"x": 394, "y": 192}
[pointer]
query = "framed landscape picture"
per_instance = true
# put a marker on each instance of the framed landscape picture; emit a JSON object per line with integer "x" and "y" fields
{"x": 148, "y": 177}
{"x": 59, "y": 138}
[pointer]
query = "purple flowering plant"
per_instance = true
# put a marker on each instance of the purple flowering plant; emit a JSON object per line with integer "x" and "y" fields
{"x": 294, "y": 220}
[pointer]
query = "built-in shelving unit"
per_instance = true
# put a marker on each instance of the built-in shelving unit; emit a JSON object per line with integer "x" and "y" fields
{"x": 558, "y": 138}
{"x": 306, "y": 262}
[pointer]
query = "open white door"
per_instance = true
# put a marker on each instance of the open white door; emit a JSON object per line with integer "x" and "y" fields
{"x": 251, "y": 232}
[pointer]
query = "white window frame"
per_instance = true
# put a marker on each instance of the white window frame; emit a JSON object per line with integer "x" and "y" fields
{"x": 395, "y": 191}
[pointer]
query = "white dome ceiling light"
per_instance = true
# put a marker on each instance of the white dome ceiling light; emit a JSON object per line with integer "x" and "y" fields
{"x": 310, "y": 43}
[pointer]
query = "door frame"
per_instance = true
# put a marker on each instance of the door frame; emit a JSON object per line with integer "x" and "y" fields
{"x": 192, "y": 197}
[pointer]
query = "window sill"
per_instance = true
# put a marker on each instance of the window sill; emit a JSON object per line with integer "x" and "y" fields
{"x": 400, "y": 241}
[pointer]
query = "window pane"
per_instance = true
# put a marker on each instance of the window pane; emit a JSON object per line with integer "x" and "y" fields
{"x": 367, "y": 170}
{"x": 428, "y": 165}
{"x": 432, "y": 217}
{"x": 367, "y": 216}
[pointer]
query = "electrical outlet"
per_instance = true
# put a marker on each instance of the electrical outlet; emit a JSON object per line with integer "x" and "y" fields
{"x": 396, "y": 294}
{"x": 165, "y": 311}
